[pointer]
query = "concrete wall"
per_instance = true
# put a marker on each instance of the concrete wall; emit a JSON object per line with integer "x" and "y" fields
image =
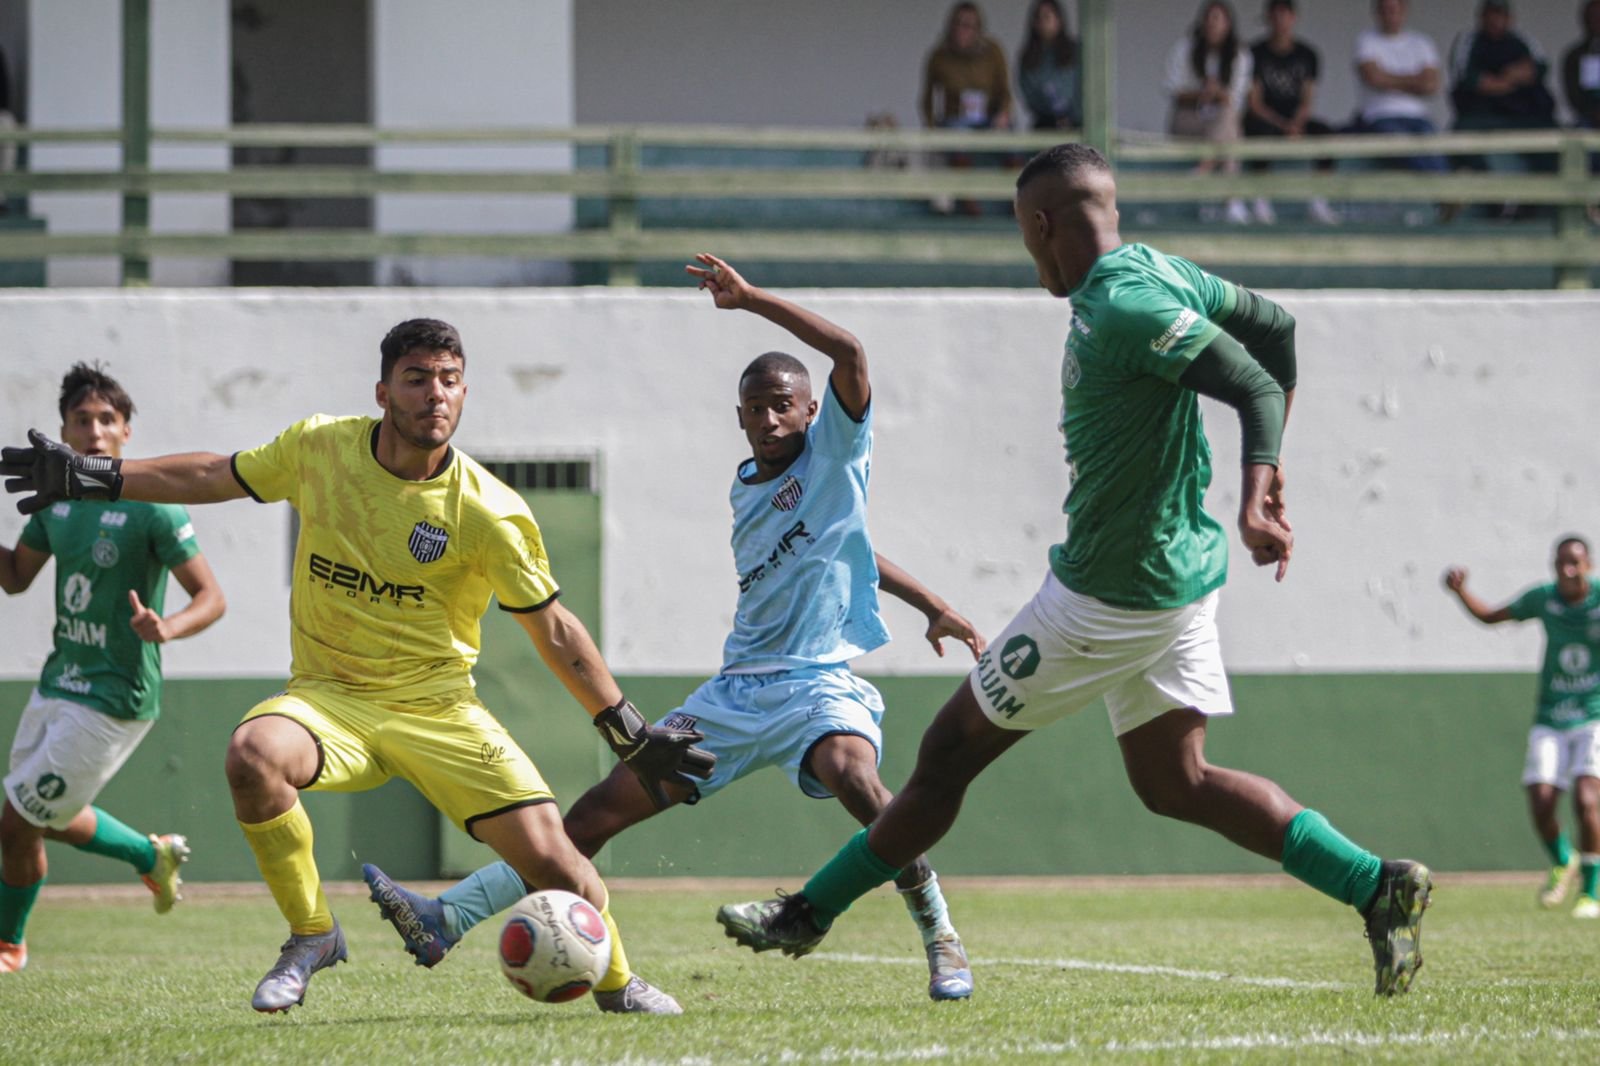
{"x": 1429, "y": 429}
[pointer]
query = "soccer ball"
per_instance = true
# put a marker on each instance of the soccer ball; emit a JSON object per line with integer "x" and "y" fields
{"x": 554, "y": 946}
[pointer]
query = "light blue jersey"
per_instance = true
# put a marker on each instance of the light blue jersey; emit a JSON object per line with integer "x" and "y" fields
{"x": 808, "y": 579}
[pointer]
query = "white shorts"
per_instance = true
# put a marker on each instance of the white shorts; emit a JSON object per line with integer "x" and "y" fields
{"x": 63, "y": 755}
{"x": 1556, "y": 756}
{"x": 1063, "y": 651}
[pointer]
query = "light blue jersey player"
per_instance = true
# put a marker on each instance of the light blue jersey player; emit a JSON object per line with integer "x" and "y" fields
{"x": 808, "y": 604}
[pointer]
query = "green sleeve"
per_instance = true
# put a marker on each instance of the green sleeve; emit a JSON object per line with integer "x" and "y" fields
{"x": 1224, "y": 371}
{"x": 1530, "y": 603}
{"x": 172, "y": 535}
{"x": 1216, "y": 296}
{"x": 35, "y": 535}
{"x": 1267, "y": 332}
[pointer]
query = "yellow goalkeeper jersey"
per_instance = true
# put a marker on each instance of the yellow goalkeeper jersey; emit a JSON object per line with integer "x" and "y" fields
{"x": 391, "y": 576}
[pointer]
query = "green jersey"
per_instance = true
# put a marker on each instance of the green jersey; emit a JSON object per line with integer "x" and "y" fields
{"x": 1569, "y": 678}
{"x": 102, "y": 551}
{"x": 1138, "y": 536}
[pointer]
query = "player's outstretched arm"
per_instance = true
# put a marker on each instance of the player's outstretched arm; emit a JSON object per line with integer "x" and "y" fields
{"x": 942, "y": 620}
{"x": 654, "y": 755}
{"x": 206, "y": 604}
{"x": 51, "y": 472}
{"x": 730, "y": 291}
{"x": 1455, "y": 579}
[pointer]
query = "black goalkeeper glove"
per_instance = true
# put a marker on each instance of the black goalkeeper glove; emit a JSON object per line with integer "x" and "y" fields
{"x": 654, "y": 755}
{"x": 52, "y": 471}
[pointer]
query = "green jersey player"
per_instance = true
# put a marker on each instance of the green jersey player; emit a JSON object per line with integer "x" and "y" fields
{"x": 100, "y": 691}
{"x": 1564, "y": 742}
{"x": 1127, "y": 610}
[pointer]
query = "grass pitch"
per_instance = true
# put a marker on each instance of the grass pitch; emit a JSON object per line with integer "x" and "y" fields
{"x": 1105, "y": 971}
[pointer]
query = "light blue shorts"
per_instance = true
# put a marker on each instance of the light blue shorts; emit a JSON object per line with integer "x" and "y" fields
{"x": 756, "y": 720}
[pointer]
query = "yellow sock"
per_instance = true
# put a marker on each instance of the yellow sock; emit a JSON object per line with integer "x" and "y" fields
{"x": 619, "y": 973}
{"x": 283, "y": 853}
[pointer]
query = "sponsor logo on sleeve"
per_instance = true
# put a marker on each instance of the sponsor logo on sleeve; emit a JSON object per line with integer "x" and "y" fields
{"x": 185, "y": 532}
{"x": 1175, "y": 332}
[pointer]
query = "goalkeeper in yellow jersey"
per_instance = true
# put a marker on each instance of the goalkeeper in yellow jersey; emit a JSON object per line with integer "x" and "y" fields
{"x": 402, "y": 542}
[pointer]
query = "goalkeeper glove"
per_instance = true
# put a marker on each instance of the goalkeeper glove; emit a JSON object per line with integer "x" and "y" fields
{"x": 654, "y": 755}
{"x": 52, "y": 471}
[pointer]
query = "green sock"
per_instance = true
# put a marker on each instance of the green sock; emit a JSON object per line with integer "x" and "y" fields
{"x": 1560, "y": 851}
{"x": 15, "y": 905}
{"x": 115, "y": 840}
{"x": 1591, "y": 875}
{"x": 1321, "y": 856}
{"x": 845, "y": 878}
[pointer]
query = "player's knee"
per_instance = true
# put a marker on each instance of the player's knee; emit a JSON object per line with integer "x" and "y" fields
{"x": 16, "y": 832}
{"x": 1169, "y": 795}
{"x": 249, "y": 763}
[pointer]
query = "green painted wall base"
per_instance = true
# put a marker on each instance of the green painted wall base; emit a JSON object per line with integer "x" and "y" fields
{"x": 1406, "y": 764}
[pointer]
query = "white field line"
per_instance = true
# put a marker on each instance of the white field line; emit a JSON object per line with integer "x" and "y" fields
{"x": 1466, "y": 1038}
{"x": 1108, "y": 967}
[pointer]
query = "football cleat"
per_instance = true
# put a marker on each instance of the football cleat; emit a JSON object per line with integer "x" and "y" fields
{"x": 284, "y": 986}
{"x": 1559, "y": 883}
{"x": 787, "y": 922}
{"x": 418, "y": 919}
{"x": 1394, "y": 924}
{"x": 172, "y": 851}
{"x": 949, "y": 976}
{"x": 13, "y": 957}
{"x": 1586, "y": 907}
{"x": 638, "y": 996}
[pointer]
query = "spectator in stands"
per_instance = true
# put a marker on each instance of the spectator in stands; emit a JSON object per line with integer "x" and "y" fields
{"x": 1283, "y": 89}
{"x": 1048, "y": 73}
{"x": 965, "y": 85}
{"x": 1580, "y": 76}
{"x": 1497, "y": 76}
{"x": 8, "y": 152}
{"x": 1208, "y": 75}
{"x": 1398, "y": 71}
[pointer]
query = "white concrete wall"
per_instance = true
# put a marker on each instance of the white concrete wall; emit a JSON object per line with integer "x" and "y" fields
{"x": 75, "y": 80}
{"x": 1429, "y": 430}
{"x": 488, "y": 63}
{"x": 830, "y": 62}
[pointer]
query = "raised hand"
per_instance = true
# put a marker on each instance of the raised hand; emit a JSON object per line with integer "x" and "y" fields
{"x": 52, "y": 471}
{"x": 729, "y": 291}
{"x": 1455, "y": 579}
{"x": 948, "y": 623}
{"x": 150, "y": 626}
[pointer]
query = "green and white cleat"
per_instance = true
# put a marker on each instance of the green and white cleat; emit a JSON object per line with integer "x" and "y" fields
{"x": 172, "y": 851}
{"x": 1586, "y": 907}
{"x": 1559, "y": 883}
{"x": 1394, "y": 924}
{"x": 787, "y": 922}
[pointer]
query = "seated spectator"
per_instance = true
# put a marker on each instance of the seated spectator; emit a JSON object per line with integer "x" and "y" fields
{"x": 1208, "y": 74}
{"x": 1580, "y": 77}
{"x": 1047, "y": 70}
{"x": 1283, "y": 89}
{"x": 965, "y": 85}
{"x": 1398, "y": 71}
{"x": 1497, "y": 76}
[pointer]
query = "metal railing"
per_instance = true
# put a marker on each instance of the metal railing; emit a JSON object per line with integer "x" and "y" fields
{"x": 1150, "y": 171}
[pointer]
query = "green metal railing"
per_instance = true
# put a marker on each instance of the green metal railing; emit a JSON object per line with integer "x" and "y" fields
{"x": 1568, "y": 248}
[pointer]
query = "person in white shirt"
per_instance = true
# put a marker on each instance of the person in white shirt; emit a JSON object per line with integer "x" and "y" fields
{"x": 1398, "y": 74}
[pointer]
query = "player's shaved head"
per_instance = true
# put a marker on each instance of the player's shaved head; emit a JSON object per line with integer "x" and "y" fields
{"x": 773, "y": 365}
{"x": 1066, "y": 207}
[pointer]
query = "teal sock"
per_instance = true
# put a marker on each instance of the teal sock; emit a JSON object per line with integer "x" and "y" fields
{"x": 845, "y": 878}
{"x": 482, "y": 894}
{"x": 15, "y": 905}
{"x": 1560, "y": 851}
{"x": 1591, "y": 875}
{"x": 1321, "y": 856}
{"x": 928, "y": 909}
{"x": 115, "y": 840}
